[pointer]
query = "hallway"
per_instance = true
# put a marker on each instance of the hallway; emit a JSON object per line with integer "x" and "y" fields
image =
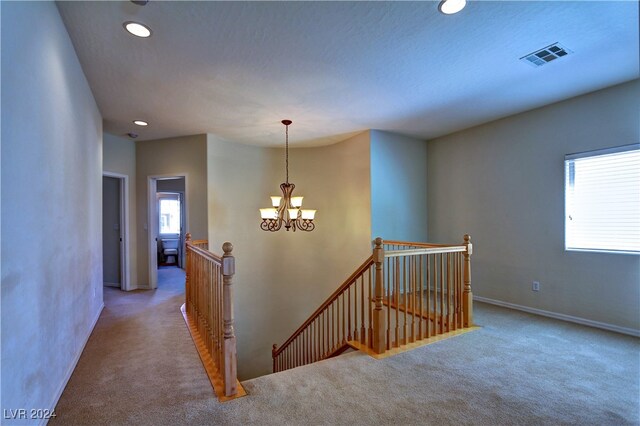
{"x": 139, "y": 359}
{"x": 140, "y": 367}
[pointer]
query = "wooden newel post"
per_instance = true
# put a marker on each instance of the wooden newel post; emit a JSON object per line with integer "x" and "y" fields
{"x": 467, "y": 296}
{"x": 274, "y": 349}
{"x": 187, "y": 289}
{"x": 379, "y": 325}
{"x": 229, "y": 359}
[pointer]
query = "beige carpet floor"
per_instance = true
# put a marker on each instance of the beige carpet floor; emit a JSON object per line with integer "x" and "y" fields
{"x": 140, "y": 367}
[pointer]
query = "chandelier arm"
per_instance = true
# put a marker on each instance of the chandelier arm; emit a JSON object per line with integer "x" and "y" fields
{"x": 306, "y": 225}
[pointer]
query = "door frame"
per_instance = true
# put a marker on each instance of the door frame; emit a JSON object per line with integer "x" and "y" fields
{"x": 152, "y": 220}
{"x": 125, "y": 248}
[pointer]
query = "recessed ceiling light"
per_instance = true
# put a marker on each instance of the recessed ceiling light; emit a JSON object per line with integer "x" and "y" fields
{"x": 449, "y": 7}
{"x": 140, "y": 122}
{"x": 138, "y": 29}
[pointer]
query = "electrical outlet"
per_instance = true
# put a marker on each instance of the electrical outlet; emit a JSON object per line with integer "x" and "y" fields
{"x": 535, "y": 286}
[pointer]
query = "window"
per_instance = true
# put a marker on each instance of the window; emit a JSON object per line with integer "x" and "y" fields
{"x": 602, "y": 200}
{"x": 169, "y": 213}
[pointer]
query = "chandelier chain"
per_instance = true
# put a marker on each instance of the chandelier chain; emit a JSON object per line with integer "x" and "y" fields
{"x": 287, "y": 151}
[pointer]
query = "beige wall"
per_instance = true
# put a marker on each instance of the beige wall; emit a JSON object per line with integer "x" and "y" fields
{"x": 503, "y": 183}
{"x": 171, "y": 157}
{"x": 398, "y": 187}
{"x": 119, "y": 156}
{"x": 283, "y": 277}
{"x": 51, "y": 207}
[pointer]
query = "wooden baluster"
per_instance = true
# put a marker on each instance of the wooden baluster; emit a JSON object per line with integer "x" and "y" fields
{"x": 362, "y": 323}
{"x": 220, "y": 296}
{"x": 319, "y": 341}
{"x": 309, "y": 345}
{"x": 428, "y": 284}
{"x": 434, "y": 296}
{"x": 449, "y": 316}
{"x": 467, "y": 301}
{"x": 337, "y": 323}
{"x": 230, "y": 361}
{"x": 420, "y": 301}
{"x": 187, "y": 288}
{"x": 355, "y": 310}
{"x": 412, "y": 285}
{"x": 388, "y": 285}
{"x": 370, "y": 301}
{"x": 441, "y": 329}
{"x": 274, "y": 348}
{"x": 349, "y": 336}
{"x": 333, "y": 328}
{"x": 329, "y": 331}
{"x": 452, "y": 300}
{"x": 343, "y": 319}
{"x": 325, "y": 332}
{"x": 379, "y": 325}
{"x": 211, "y": 303}
{"x": 405, "y": 282}
{"x": 460, "y": 290}
{"x": 396, "y": 290}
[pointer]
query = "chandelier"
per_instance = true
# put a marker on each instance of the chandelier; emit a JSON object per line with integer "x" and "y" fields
{"x": 287, "y": 210}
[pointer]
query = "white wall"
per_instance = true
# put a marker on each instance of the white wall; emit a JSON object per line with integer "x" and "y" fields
{"x": 398, "y": 187}
{"x": 282, "y": 277}
{"x": 51, "y": 206}
{"x": 503, "y": 183}
{"x": 119, "y": 156}
{"x": 173, "y": 156}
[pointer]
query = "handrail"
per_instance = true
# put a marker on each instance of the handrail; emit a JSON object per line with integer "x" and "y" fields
{"x": 208, "y": 312}
{"x": 202, "y": 252}
{"x": 365, "y": 265}
{"x": 421, "y": 251}
{"x": 407, "y": 243}
{"x": 403, "y": 293}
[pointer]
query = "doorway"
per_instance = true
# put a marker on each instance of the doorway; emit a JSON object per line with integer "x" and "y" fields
{"x": 167, "y": 225}
{"x": 115, "y": 230}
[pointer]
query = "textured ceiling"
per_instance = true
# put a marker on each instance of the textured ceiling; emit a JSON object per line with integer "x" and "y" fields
{"x": 235, "y": 69}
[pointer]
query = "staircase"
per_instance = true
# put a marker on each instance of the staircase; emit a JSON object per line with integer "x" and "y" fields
{"x": 403, "y": 294}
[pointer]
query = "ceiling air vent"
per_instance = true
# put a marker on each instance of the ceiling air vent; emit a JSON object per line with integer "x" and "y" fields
{"x": 547, "y": 54}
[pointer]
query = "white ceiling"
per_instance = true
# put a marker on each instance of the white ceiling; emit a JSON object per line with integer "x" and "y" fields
{"x": 235, "y": 69}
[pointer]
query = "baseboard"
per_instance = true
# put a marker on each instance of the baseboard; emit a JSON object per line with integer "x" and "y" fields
{"x": 73, "y": 366}
{"x": 563, "y": 317}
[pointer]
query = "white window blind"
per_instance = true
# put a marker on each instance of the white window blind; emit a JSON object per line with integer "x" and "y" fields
{"x": 602, "y": 200}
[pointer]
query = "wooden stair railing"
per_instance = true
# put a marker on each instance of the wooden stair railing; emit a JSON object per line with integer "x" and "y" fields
{"x": 405, "y": 292}
{"x": 208, "y": 312}
{"x": 346, "y": 315}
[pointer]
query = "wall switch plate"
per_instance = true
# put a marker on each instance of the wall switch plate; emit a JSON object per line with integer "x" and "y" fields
{"x": 535, "y": 286}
